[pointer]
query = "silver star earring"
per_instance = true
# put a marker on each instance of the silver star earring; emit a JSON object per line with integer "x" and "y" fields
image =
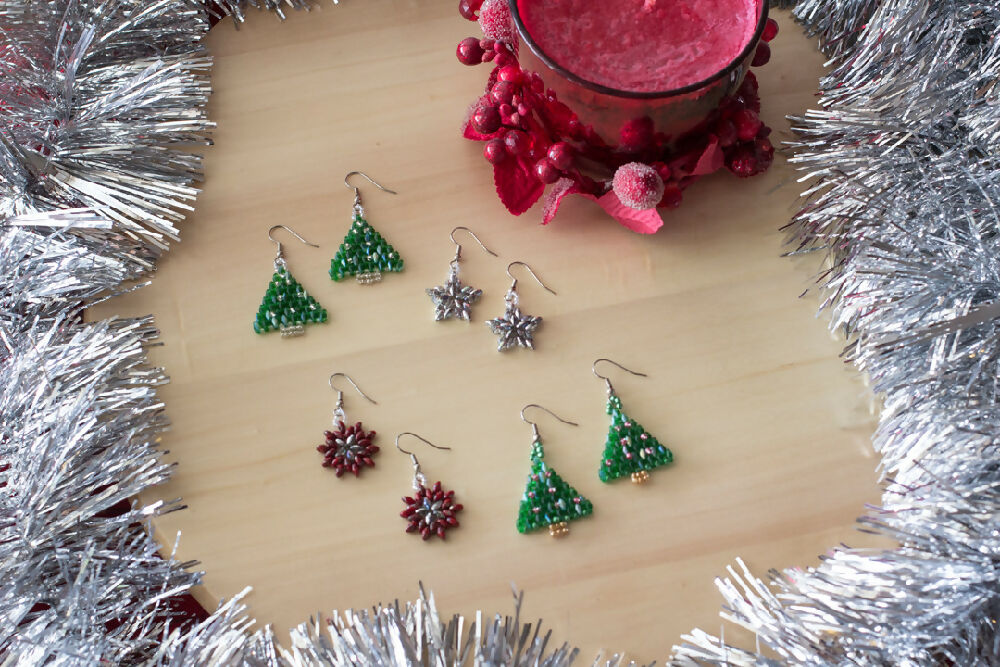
{"x": 514, "y": 328}
{"x": 453, "y": 299}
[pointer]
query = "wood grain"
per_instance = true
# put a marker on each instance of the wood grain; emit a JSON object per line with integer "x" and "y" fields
{"x": 769, "y": 429}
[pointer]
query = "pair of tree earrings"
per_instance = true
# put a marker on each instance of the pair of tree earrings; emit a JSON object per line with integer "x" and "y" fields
{"x": 453, "y": 300}
{"x": 430, "y": 511}
{"x": 549, "y": 501}
{"x": 364, "y": 254}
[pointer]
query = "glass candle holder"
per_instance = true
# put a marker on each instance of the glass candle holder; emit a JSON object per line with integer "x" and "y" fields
{"x": 607, "y": 110}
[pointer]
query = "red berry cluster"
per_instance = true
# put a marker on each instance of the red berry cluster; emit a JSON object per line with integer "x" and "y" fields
{"x": 530, "y": 134}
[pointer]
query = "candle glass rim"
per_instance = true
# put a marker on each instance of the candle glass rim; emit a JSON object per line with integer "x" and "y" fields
{"x": 637, "y": 94}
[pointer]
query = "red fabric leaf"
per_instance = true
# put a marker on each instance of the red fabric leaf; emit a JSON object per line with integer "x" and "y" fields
{"x": 516, "y": 184}
{"x": 644, "y": 222}
{"x": 711, "y": 159}
{"x": 557, "y": 116}
{"x": 561, "y": 188}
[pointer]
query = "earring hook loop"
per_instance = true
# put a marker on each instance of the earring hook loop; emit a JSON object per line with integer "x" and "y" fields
{"x": 357, "y": 192}
{"x": 353, "y": 384}
{"x": 534, "y": 426}
{"x": 413, "y": 457}
{"x": 458, "y": 246}
{"x": 513, "y": 285}
{"x": 607, "y": 381}
{"x": 281, "y": 252}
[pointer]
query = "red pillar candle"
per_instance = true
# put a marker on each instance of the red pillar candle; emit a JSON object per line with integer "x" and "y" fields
{"x": 616, "y": 60}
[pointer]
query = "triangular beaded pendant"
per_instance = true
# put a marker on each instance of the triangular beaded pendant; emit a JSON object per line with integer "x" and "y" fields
{"x": 629, "y": 450}
{"x": 287, "y": 307}
{"x": 364, "y": 254}
{"x": 548, "y": 500}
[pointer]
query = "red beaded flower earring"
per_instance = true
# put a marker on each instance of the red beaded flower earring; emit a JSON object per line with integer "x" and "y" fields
{"x": 431, "y": 510}
{"x": 347, "y": 448}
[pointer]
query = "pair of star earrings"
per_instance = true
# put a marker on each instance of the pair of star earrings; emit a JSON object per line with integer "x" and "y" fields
{"x": 453, "y": 300}
{"x": 549, "y": 501}
{"x": 364, "y": 254}
{"x": 430, "y": 511}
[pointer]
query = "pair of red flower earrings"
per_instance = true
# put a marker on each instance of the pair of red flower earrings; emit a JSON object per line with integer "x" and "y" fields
{"x": 430, "y": 511}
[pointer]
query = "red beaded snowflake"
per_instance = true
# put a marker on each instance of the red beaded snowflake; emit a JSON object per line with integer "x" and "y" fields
{"x": 348, "y": 449}
{"x": 430, "y": 511}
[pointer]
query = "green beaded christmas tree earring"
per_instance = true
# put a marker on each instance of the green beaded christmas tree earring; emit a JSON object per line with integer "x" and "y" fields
{"x": 548, "y": 500}
{"x": 286, "y": 306}
{"x": 629, "y": 450}
{"x": 364, "y": 254}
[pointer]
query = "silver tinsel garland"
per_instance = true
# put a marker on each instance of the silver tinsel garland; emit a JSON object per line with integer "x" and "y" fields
{"x": 101, "y": 102}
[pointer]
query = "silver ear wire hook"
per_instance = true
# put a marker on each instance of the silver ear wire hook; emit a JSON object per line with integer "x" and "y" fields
{"x": 534, "y": 426}
{"x": 338, "y": 410}
{"x": 413, "y": 457}
{"x": 281, "y": 253}
{"x": 513, "y": 285}
{"x": 357, "y": 193}
{"x": 611, "y": 389}
{"x": 458, "y": 246}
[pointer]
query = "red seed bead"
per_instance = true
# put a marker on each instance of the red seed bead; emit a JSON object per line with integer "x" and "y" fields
{"x": 523, "y": 109}
{"x": 664, "y": 171}
{"x": 770, "y": 30}
{"x": 504, "y": 59}
{"x": 546, "y": 171}
{"x": 468, "y": 9}
{"x": 762, "y": 56}
{"x": 469, "y": 52}
{"x": 561, "y": 155}
{"x": 502, "y": 92}
{"x": 517, "y": 141}
{"x": 747, "y": 124}
{"x": 488, "y": 44}
{"x": 486, "y": 120}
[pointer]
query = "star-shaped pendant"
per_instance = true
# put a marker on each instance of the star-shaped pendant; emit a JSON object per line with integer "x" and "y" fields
{"x": 453, "y": 299}
{"x": 514, "y": 328}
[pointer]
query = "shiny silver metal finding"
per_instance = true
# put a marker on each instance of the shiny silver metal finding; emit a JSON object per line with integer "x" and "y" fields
{"x": 358, "y": 208}
{"x": 338, "y": 409}
{"x": 418, "y": 476}
{"x": 611, "y": 389}
{"x": 279, "y": 258}
{"x": 534, "y": 426}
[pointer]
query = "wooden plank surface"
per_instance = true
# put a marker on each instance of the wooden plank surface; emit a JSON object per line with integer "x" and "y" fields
{"x": 769, "y": 429}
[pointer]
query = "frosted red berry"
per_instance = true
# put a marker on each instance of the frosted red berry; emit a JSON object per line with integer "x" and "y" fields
{"x": 546, "y": 171}
{"x": 495, "y": 20}
{"x": 725, "y": 130}
{"x": 502, "y": 92}
{"x": 486, "y": 120}
{"x": 561, "y": 155}
{"x": 638, "y": 185}
{"x": 637, "y": 133}
{"x": 495, "y": 151}
{"x": 431, "y": 511}
{"x": 770, "y": 30}
{"x": 672, "y": 196}
{"x": 747, "y": 124}
{"x": 742, "y": 162}
{"x": 516, "y": 141}
{"x": 762, "y": 56}
{"x": 469, "y": 52}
